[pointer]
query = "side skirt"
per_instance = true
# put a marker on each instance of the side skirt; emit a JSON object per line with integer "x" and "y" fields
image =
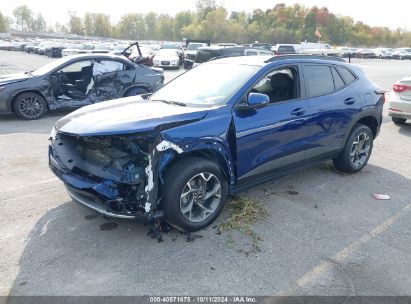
{"x": 262, "y": 178}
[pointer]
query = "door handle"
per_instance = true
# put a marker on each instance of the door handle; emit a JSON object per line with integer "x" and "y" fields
{"x": 349, "y": 101}
{"x": 298, "y": 112}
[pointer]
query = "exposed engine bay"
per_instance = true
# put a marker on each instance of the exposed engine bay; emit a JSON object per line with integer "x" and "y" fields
{"x": 119, "y": 170}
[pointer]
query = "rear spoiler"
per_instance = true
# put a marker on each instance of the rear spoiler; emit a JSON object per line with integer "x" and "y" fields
{"x": 380, "y": 91}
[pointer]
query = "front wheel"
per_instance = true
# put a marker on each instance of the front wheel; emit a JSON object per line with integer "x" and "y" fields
{"x": 194, "y": 194}
{"x": 357, "y": 150}
{"x": 30, "y": 106}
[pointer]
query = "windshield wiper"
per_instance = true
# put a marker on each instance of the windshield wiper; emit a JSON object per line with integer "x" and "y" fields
{"x": 171, "y": 102}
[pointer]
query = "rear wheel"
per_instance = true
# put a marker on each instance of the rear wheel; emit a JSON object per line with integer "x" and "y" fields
{"x": 357, "y": 150}
{"x": 136, "y": 91}
{"x": 195, "y": 193}
{"x": 398, "y": 121}
{"x": 30, "y": 106}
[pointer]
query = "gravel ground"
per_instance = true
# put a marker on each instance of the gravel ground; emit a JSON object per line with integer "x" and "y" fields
{"x": 325, "y": 234}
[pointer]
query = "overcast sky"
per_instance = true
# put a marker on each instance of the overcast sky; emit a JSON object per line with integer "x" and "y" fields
{"x": 393, "y": 13}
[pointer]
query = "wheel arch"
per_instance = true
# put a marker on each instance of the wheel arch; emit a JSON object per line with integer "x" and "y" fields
{"x": 368, "y": 118}
{"x": 137, "y": 85}
{"x": 220, "y": 157}
{"x": 38, "y": 92}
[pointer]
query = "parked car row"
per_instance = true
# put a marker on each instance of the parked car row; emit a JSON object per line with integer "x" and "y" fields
{"x": 381, "y": 53}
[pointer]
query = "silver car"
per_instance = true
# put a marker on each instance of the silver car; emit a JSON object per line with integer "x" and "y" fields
{"x": 400, "y": 101}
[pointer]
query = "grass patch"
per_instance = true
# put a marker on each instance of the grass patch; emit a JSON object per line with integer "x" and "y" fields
{"x": 243, "y": 214}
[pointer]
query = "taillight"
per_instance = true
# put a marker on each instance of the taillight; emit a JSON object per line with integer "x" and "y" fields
{"x": 399, "y": 88}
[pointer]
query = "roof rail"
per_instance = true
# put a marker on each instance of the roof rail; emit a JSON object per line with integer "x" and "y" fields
{"x": 304, "y": 56}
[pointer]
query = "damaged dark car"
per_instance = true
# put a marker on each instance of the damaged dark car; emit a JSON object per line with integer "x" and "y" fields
{"x": 75, "y": 81}
{"x": 218, "y": 129}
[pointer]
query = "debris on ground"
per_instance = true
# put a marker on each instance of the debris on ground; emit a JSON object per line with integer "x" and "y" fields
{"x": 192, "y": 237}
{"x": 243, "y": 214}
{"x": 381, "y": 197}
{"x": 293, "y": 192}
{"x": 158, "y": 228}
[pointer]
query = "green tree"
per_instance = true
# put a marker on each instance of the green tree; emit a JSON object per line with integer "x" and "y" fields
{"x": 102, "y": 25}
{"x": 24, "y": 17}
{"x": 131, "y": 26}
{"x": 75, "y": 24}
{"x": 165, "y": 29}
{"x": 204, "y": 7}
{"x": 39, "y": 24}
{"x": 89, "y": 24}
{"x": 181, "y": 20}
{"x": 3, "y": 23}
{"x": 151, "y": 21}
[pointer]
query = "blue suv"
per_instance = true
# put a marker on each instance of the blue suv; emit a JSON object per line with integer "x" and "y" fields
{"x": 216, "y": 130}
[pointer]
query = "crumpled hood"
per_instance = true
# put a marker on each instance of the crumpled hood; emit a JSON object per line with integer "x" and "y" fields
{"x": 12, "y": 78}
{"x": 125, "y": 116}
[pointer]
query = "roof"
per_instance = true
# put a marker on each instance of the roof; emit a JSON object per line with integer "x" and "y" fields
{"x": 263, "y": 60}
{"x": 247, "y": 60}
{"x": 95, "y": 55}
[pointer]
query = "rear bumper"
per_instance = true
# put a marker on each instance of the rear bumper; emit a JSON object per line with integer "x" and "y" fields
{"x": 399, "y": 108}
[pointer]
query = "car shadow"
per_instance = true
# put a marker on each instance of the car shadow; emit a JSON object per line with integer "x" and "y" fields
{"x": 73, "y": 251}
{"x": 405, "y": 129}
{"x": 10, "y": 124}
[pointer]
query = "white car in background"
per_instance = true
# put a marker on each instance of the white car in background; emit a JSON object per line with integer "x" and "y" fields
{"x": 399, "y": 106}
{"x": 167, "y": 58}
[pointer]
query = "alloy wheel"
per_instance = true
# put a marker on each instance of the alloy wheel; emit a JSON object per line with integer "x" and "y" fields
{"x": 31, "y": 106}
{"x": 200, "y": 197}
{"x": 360, "y": 150}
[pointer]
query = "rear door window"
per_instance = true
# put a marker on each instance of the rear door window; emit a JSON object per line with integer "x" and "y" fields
{"x": 318, "y": 80}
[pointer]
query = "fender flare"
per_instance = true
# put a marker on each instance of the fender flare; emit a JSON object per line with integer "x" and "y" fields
{"x": 357, "y": 118}
{"x": 212, "y": 149}
{"x": 138, "y": 85}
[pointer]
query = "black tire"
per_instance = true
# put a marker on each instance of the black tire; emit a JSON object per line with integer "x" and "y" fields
{"x": 176, "y": 180}
{"x": 344, "y": 161}
{"x": 136, "y": 91}
{"x": 398, "y": 121}
{"x": 29, "y": 106}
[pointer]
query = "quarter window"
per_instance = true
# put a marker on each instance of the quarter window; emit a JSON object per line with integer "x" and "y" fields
{"x": 346, "y": 75}
{"x": 318, "y": 80}
{"x": 338, "y": 82}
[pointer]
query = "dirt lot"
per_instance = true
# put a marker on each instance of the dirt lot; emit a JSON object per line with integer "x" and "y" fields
{"x": 324, "y": 235}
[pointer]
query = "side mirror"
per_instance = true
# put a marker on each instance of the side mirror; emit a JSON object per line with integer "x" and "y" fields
{"x": 258, "y": 100}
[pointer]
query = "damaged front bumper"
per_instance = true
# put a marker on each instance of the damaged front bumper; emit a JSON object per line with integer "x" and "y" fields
{"x": 117, "y": 180}
{"x": 98, "y": 196}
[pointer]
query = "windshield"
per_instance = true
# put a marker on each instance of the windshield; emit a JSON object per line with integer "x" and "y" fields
{"x": 194, "y": 46}
{"x": 50, "y": 66}
{"x": 209, "y": 84}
